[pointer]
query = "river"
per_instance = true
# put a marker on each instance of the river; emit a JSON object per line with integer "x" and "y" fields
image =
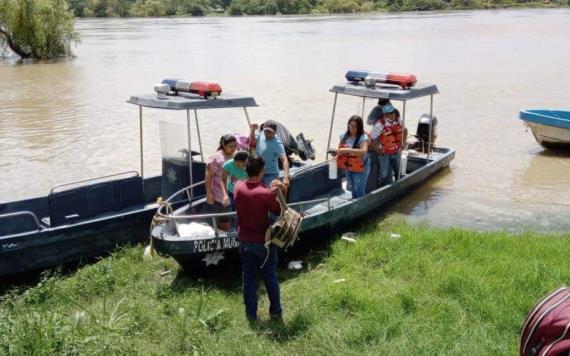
{"x": 65, "y": 121}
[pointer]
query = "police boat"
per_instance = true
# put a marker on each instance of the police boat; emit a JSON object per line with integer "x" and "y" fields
{"x": 319, "y": 194}
{"x": 88, "y": 218}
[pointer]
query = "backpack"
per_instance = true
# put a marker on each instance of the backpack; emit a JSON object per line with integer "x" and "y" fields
{"x": 284, "y": 231}
{"x": 545, "y": 331}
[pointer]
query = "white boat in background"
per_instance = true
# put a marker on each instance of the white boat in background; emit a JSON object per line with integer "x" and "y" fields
{"x": 551, "y": 128}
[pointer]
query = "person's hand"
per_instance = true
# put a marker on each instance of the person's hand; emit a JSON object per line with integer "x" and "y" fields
{"x": 254, "y": 127}
{"x": 226, "y": 201}
{"x": 277, "y": 184}
{"x": 210, "y": 198}
{"x": 332, "y": 152}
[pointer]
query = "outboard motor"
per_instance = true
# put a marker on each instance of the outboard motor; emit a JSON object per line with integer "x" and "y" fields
{"x": 422, "y": 132}
{"x": 299, "y": 145}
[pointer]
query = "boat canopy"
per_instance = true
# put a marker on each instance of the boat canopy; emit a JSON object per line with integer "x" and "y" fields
{"x": 386, "y": 91}
{"x": 184, "y": 101}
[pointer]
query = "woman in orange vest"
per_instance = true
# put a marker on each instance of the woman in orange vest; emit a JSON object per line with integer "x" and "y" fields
{"x": 352, "y": 155}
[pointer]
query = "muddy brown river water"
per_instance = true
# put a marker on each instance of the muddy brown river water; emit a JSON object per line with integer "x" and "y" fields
{"x": 68, "y": 120}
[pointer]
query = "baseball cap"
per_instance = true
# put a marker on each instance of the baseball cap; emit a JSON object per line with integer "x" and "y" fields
{"x": 388, "y": 108}
{"x": 269, "y": 125}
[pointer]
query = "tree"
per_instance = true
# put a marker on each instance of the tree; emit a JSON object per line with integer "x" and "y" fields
{"x": 38, "y": 29}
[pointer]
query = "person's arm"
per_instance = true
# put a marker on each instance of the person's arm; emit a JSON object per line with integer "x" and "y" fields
{"x": 252, "y": 129}
{"x": 225, "y": 188}
{"x": 361, "y": 151}
{"x": 374, "y": 115}
{"x": 273, "y": 204}
{"x": 376, "y": 132}
{"x": 209, "y": 177}
{"x": 285, "y": 163}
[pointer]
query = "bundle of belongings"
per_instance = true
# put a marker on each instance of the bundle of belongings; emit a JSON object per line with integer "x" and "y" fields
{"x": 195, "y": 231}
{"x": 284, "y": 231}
{"x": 546, "y": 330}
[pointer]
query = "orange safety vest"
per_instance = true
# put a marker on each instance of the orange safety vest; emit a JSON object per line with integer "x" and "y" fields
{"x": 349, "y": 162}
{"x": 391, "y": 137}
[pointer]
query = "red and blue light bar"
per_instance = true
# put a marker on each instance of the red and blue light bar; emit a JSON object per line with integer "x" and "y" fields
{"x": 203, "y": 89}
{"x": 372, "y": 78}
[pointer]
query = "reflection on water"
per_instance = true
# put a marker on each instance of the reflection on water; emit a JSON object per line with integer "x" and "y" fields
{"x": 68, "y": 120}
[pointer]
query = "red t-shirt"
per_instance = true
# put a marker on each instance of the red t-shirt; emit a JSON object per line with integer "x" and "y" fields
{"x": 253, "y": 203}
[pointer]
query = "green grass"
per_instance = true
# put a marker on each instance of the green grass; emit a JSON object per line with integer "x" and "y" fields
{"x": 425, "y": 292}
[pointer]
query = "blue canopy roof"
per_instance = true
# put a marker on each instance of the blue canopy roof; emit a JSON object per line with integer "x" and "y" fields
{"x": 391, "y": 92}
{"x": 185, "y": 101}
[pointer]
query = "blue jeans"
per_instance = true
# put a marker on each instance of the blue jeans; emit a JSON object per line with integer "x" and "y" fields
{"x": 389, "y": 164}
{"x": 269, "y": 177}
{"x": 357, "y": 181}
{"x": 252, "y": 257}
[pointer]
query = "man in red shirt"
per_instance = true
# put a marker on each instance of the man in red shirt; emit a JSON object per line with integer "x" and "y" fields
{"x": 254, "y": 202}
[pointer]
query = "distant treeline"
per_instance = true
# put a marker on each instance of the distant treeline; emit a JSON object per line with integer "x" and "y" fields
{"x": 156, "y": 8}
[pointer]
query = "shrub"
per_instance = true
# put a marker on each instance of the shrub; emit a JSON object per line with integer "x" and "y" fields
{"x": 423, "y": 5}
{"x": 338, "y": 6}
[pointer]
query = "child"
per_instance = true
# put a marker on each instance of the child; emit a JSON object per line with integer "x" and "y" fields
{"x": 234, "y": 170}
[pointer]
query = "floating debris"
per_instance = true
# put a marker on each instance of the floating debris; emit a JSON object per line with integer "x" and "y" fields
{"x": 395, "y": 236}
{"x": 340, "y": 280}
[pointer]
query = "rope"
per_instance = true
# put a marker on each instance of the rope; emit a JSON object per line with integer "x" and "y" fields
{"x": 157, "y": 219}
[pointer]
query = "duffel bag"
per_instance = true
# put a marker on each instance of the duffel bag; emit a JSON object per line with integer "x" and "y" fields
{"x": 545, "y": 331}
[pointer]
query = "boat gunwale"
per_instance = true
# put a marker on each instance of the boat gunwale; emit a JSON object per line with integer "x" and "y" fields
{"x": 429, "y": 162}
{"x": 539, "y": 116}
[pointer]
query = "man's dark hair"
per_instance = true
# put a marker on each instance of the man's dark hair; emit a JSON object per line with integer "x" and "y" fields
{"x": 383, "y": 101}
{"x": 254, "y": 165}
{"x": 241, "y": 156}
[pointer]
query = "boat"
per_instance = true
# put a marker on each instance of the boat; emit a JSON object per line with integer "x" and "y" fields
{"x": 550, "y": 128}
{"x": 325, "y": 203}
{"x": 80, "y": 220}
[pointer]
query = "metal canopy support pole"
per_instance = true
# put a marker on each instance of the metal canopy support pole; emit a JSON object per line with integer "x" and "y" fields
{"x": 188, "y": 128}
{"x": 199, "y": 137}
{"x": 363, "y": 104}
{"x": 141, "y": 139}
{"x": 402, "y": 140}
{"x": 430, "y": 124}
{"x": 247, "y": 118}
{"x": 330, "y": 129}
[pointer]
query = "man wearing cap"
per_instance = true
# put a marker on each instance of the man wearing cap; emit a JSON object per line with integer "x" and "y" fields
{"x": 386, "y": 137}
{"x": 269, "y": 147}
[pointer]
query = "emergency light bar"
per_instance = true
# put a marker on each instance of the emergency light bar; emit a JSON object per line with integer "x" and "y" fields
{"x": 372, "y": 78}
{"x": 204, "y": 89}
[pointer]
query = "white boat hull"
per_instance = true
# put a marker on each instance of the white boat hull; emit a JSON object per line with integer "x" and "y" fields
{"x": 550, "y": 136}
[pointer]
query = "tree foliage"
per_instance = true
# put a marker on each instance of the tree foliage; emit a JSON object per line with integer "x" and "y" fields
{"x": 155, "y": 8}
{"x": 37, "y": 28}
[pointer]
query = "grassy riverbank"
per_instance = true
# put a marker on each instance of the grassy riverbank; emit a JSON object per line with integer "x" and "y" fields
{"x": 399, "y": 290}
